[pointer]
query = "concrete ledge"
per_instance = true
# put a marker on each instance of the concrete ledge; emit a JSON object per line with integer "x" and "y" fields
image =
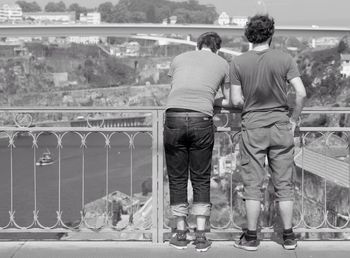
{"x": 101, "y": 249}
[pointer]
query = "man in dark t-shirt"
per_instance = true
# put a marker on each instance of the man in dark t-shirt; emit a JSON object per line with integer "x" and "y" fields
{"x": 259, "y": 80}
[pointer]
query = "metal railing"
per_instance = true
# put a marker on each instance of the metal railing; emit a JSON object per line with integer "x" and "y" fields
{"x": 109, "y": 179}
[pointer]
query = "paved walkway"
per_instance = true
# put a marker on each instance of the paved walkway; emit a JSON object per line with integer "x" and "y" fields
{"x": 99, "y": 249}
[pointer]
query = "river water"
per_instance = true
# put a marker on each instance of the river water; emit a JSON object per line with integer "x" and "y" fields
{"x": 94, "y": 176}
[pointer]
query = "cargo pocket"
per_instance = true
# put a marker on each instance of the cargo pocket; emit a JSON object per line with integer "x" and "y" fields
{"x": 286, "y": 126}
{"x": 244, "y": 159}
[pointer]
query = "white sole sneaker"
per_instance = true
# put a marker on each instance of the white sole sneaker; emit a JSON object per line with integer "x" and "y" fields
{"x": 247, "y": 248}
{"x": 203, "y": 250}
{"x": 289, "y": 247}
{"x": 178, "y": 247}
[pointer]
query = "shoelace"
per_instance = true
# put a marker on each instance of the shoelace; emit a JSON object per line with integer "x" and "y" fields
{"x": 181, "y": 236}
{"x": 200, "y": 238}
{"x": 290, "y": 236}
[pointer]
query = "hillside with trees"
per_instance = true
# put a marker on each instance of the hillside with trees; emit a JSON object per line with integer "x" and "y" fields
{"x": 136, "y": 11}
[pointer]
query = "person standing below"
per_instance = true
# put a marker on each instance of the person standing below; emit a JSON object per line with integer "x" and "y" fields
{"x": 189, "y": 134}
{"x": 259, "y": 80}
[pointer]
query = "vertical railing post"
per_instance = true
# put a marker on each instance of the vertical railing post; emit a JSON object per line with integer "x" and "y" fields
{"x": 160, "y": 178}
{"x": 155, "y": 136}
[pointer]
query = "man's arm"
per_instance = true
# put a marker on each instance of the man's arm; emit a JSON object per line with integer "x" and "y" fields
{"x": 300, "y": 94}
{"x": 225, "y": 100}
{"x": 237, "y": 96}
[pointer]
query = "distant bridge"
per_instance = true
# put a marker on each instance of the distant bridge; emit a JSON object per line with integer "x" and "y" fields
{"x": 128, "y": 121}
{"x": 109, "y": 29}
{"x": 182, "y": 41}
{"x": 105, "y": 122}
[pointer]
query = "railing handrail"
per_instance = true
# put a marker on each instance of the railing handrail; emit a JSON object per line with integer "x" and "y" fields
{"x": 306, "y": 110}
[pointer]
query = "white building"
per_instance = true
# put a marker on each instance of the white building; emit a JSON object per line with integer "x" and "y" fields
{"x": 345, "y": 64}
{"x": 224, "y": 19}
{"x": 91, "y": 40}
{"x": 50, "y": 17}
{"x": 239, "y": 20}
{"x": 126, "y": 49}
{"x": 326, "y": 42}
{"x": 10, "y": 13}
{"x": 90, "y": 18}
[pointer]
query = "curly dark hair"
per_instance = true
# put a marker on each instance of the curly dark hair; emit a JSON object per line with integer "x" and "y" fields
{"x": 259, "y": 28}
{"x": 211, "y": 40}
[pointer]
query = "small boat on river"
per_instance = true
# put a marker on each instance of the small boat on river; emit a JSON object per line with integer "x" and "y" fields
{"x": 45, "y": 159}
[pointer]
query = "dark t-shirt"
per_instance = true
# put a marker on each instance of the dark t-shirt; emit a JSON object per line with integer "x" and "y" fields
{"x": 263, "y": 76}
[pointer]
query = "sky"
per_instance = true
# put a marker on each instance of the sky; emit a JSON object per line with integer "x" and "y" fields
{"x": 285, "y": 12}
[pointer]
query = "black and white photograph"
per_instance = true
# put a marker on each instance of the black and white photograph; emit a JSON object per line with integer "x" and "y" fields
{"x": 174, "y": 128}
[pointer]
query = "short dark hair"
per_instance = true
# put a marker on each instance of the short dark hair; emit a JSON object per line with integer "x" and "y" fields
{"x": 259, "y": 28}
{"x": 211, "y": 40}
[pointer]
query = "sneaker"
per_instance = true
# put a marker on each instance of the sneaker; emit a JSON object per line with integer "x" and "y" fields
{"x": 289, "y": 241}
{"x": 179, "y": 239}
{"x": 242, "y": 243}
{"x": 201, "y": 242}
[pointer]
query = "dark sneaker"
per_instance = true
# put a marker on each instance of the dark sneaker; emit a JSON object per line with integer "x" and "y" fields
{"x": 178, "y": 239}
{"x": 289, "y": 241}
{"x": 201, "y": 242}
{"x": 243, "y": 243}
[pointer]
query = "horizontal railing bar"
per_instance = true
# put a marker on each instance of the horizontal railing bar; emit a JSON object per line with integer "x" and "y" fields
{"x": 297, "y": 230}
{"x": 326, "y": 110}
{"x": 306, "y": 110}
{"x": 264, "y": 230}
{"x": 65, "y": 230}
{"x": 80, "y": 109}
{"x": 325, "y": 129}
{"x": 75, "y": 129}
{"x": 145, "y": 129}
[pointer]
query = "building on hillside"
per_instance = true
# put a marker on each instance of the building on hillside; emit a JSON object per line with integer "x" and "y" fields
{"x": 239, "y": 20}
{"x": 91, "y": 40}
{"x": 326, "y": 42}
{"x": 50, "y": 17}
{"x": 88, "y": 18}
{"x": 59, "y": 41}
{"x": 126, "y": 49}
{"x": 345, "y": 65}
{"x": 20, "y": 51}
{"x": 173, "y": 19}
{"x": 163, "y": 66}
{"x": 10, "y": 13}
{"x": 224, "y": 19}
{"x": 17, "y": 40}
{"x": 170, "y": 20}
{"x": 60, "y": 79}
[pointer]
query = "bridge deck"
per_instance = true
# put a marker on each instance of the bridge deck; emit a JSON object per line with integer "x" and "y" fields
{"x": 334, "y": 249}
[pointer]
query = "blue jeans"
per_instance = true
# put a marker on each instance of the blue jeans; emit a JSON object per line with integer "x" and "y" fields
{"x": 188, "y": 144}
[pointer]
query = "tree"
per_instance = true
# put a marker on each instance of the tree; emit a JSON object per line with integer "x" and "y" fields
{"x": 106, "y": 9}
{"x": 77, "y": 9}
{"x": 55, "y": 7}
{"x": 157, "y": 10}
{"x": 88, "y": 70}
{"x": 29, "y": 7}
{"x": 151, "y": 14}
{"x": 342, "y": 46}
{"x": 183, "y": 15}
{"x": 138, "y": 17}
{"x": 122, "y": 13}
